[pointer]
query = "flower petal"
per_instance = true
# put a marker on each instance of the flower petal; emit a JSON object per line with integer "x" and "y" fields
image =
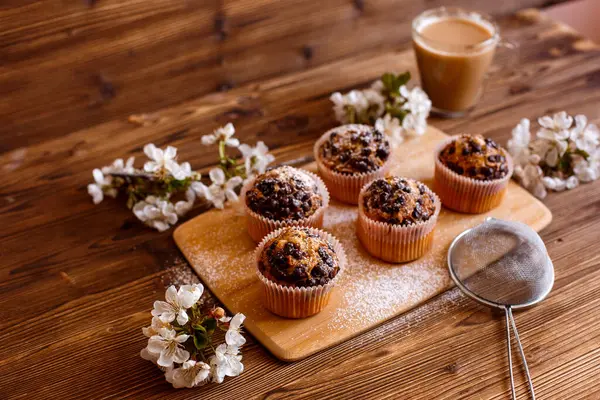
{"x": 171, "y": 295}
{"x": 170, "y": 153}
{"x": 182, "y": 317}
{"x": 217, "y": 176}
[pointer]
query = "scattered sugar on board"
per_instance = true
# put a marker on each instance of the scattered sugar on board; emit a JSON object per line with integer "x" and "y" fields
{"x": 374, "y": 290}
{"x": 371, "y": 290}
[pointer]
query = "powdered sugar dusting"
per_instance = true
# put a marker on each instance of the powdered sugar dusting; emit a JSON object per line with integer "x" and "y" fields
{"x": 369, "y": 292}
{"x": 374, "y": 290}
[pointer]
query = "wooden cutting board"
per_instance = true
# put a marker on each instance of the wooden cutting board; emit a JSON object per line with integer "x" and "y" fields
{"x": 221, "y": 252}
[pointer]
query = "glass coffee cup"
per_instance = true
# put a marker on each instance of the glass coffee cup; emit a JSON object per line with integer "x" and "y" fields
{"x": 454, "y": 50}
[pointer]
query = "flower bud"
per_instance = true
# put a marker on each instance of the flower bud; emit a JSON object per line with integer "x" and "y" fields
{"x": 218, "y": 313}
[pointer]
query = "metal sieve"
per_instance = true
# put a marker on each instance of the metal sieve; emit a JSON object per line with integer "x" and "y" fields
{"x": 503, "y": 264}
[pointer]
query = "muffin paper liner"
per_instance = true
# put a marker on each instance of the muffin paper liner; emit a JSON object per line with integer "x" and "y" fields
{"x": 258, "y": 226}
{"x": 346, "y": 187}
{"x": 468, "y": 195}
{"x": 293, "y": 302}
{"x": 395, "y": 243}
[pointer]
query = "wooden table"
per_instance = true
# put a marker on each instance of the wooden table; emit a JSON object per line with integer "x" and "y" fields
{"x": 78, "y": 280}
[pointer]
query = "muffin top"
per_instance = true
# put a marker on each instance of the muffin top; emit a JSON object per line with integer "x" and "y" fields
{"x": 475, "y": 157}
{"x": 298, "y": 258}
{"x": 353, "y": 149}
{"x": 284, "y": 193}
{"x": 398, "y": 201}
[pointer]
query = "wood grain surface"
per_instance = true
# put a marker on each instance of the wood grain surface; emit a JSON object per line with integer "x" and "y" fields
{"x": 77, "y": 281}
{"x": 370, "y": 292}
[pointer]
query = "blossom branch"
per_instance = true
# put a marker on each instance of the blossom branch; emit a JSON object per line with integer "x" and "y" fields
{"x": 164, "y": 190}
{"x": 388, "y": 105}
{"x": 181, "y": 339}
{"x": 561, "y": 155}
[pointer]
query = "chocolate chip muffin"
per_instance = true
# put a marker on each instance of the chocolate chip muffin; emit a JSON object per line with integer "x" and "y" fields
{"x": 297, "y": 257}
{"x": 475, "y": 157}
{"x": 354, "y": 150}
{"x": 398, "y": 201}
{"x": 284, "y": 194}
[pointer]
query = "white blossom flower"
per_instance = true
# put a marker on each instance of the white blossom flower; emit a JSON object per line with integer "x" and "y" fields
{"x": 555, "y": 128}
{"x": 341, "y": 103}
{"x": 390, "y": 127}
{"x": 233, "y": 336}
{"x": 518, "y": 145}
{"x": 417, "y": 101}
{"x": 554, "y": 183}
{"x": 256, "y": 159}
{"x": 588, "y": 170}
{"x": 120, "y": 167}
{"x": 101, "y": 187}
{"x": 200, "y": 189}
{"x": 157, "y": 213}
{"x": 177, "y": 302}
{"x": 530, "y": 177}
{"x": 181, "y": 171}
{"x": 221, "y": 189}
{"x": 376, "y": 102}
{"x": 572, "y": 182}
{"x": 148, "y": 356}
{"x": 415, "y": 124}
{"x": 183, "y": 206}
{"x": 190, "y": 374}
{"x": 155, "y": 326}
{"x": 555, "y": 153}
{"x": 378, "y": 86}
{"x": 224, "y": 134}
{"x": 586, "y": 137}
{"x": 169, "y": 346}
{"x": 226, "y": 362}
{"x": 163, "y": 160}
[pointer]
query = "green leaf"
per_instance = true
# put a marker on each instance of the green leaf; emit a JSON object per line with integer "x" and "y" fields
{"x": 403, "y": 79}
{"x": 210, "y": 324}
{"x": 393, "y": 82}
{"x": 200, "y": 336}
{"x": 388, "y": 80}
{"x": 582, "y": 153}
{"x": 200, "y": 341}
{"x": 397, "y": 112}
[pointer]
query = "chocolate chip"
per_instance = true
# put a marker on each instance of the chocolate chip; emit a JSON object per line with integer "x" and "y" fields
{"x": 475, "y": 147}
{"x": 317, "y": 271}
{"x": 491, "y": 143}
{"x": 344, "y": 156}
{"x": 326, "y": 257}
{"x": 299, "y": 273}
{"x": 382, "y": 152}
{"x": 486, "y": 171}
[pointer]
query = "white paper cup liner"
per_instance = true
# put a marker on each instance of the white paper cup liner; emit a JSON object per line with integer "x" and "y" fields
{"x": 302, "y": 302}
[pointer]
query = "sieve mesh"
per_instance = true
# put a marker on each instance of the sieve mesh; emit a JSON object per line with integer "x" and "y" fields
{"x": 501, "y": 263}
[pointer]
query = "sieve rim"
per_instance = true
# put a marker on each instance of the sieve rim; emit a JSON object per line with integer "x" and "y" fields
{"x": 480, "y": 299}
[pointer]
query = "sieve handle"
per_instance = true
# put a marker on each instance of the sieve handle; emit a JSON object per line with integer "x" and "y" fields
{"x": 511, "y": 319}
{"x": 508, "y": 351}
